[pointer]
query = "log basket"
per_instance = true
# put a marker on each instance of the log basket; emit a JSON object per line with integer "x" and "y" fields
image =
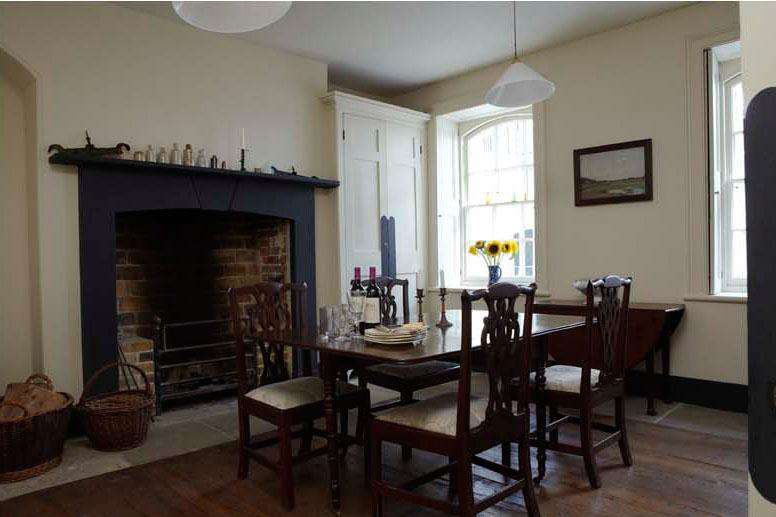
{"x": 32, "y": 445}
{"x": 118, "y": 420}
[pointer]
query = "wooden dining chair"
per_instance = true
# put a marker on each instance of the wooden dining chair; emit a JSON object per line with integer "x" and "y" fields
{"x": 258, "y": 311}
{"x": 464, "y": 423}
{"x": 599, "y": 379}
{"x": 405, "y": 379}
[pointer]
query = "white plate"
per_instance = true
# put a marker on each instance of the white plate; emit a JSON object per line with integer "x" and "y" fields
{"x": 395, "y": 340}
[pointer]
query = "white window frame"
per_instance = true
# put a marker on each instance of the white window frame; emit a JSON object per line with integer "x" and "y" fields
{"x": 721, "y": 181}
{"x": 481, "y": 277}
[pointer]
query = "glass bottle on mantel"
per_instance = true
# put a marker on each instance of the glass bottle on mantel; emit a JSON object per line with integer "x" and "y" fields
{"x": 371, "y": 316}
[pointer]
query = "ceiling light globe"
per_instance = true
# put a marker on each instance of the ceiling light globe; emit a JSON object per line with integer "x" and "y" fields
{"x": 231, "y": 17}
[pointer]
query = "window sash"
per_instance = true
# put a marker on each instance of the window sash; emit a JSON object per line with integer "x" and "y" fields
{"x": 729, "y": 235}
{"x": 480, "y": 273}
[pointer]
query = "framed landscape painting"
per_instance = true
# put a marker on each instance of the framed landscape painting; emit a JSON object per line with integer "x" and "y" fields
{"x": 614, "y": 173}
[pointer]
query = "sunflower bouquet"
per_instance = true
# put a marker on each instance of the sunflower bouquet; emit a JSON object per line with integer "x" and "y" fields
{"x": 492, "y": 252}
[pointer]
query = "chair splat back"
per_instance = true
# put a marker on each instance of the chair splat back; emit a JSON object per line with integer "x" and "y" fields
{"x": 258, "y": 311}
{"x": 507, "y": 353}
{"x": 388, "y": 306}
{"x": 607, "y": 320}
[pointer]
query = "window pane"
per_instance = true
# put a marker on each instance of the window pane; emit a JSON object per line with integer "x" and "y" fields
{"x": 508, "y": 146}
{"x": 481, "y": 188}
{"x": 738, "y": 207}
{"x": 737, "y": 106}
{"x": 509, "y": 183}
{"x": 737, "y": 156}
{"x": 529, "y": 173}
{"x": 479, "y": 226}
{"x": 481, "y": 155}
{"x": 528, "y": 217}
{"x": 738, "y": 255}
{"x": 508, "y": 221}
{"x": 525, "y": 141}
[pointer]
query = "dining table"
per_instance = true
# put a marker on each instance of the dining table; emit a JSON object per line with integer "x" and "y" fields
{"x": 354, "y": 352}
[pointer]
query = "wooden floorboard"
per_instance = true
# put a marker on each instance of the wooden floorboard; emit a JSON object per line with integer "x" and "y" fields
{"x": 676, "y": 472}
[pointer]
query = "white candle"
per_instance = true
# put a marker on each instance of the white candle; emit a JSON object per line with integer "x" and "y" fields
{"x": 441, "y": 278}
{"x": 242, "y": 141}
{"x": 419, "y": 280}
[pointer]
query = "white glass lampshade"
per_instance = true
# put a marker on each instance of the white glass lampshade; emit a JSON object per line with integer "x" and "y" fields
{"x": 231, "y": 17}
{"x": 519, "y": 85}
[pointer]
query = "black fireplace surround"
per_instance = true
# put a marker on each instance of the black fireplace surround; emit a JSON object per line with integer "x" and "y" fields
{"x": 107, "y": 186}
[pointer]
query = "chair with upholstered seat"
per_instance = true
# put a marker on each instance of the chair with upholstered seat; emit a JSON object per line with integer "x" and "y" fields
{"x": 405, "y": 379}
{"x": 467, "y": 422}
{"x": 599, "y": 379}
{"x": 257, "y": 312}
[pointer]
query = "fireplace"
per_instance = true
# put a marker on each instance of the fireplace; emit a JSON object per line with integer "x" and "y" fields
{"x": 173, "y": 270}
{"x": 113, "y": 192}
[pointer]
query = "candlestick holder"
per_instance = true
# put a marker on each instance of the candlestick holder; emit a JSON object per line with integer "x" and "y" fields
{"x": 242, "y": 160}
{"x": 419, "y": 297}
{"x": 443, "y": 322}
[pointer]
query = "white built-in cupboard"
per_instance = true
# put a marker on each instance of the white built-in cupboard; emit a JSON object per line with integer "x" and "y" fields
{"x": 380, "y": 155}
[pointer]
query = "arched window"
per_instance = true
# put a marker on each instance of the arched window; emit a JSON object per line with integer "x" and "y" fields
{"x": 497, "y": 164}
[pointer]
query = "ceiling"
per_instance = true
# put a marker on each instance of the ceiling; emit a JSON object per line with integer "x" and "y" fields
{"x": 389, "y": 48}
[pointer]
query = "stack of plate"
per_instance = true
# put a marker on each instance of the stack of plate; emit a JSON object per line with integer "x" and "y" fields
{"x": 401, "y": 335}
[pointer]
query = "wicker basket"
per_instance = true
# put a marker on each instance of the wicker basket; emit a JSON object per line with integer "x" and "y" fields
{"x": 118, "y": 420}
{"x": 31, "y": 445}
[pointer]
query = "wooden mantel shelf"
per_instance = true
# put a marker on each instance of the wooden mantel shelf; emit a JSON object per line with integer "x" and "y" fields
{"x": 81, "y": 161}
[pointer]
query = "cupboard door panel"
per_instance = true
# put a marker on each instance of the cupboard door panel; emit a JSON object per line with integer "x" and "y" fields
{"x": 365, "y": 190}
{"x": 405, "y": 188}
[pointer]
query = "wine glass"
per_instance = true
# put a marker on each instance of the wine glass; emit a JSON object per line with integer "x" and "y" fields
{"x": 355, "y": 310}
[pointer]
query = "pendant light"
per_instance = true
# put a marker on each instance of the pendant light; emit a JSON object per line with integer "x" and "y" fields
{"x": 231, "y": 17}
{"x": 519, "y": 85}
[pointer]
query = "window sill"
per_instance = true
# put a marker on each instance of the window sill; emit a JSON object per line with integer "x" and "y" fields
{"x": 718, "y": 298}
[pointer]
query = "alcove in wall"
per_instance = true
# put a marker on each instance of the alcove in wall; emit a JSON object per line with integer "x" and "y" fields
{"x": 19, "y": 317}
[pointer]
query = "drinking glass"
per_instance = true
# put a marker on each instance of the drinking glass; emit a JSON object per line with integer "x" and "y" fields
{"x": 326, "y": 321}
{"x": 340, "y": 322}
{"x": 356, "y": 310}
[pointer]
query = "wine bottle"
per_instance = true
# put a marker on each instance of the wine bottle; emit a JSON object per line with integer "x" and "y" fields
{"x": 357, "y": 294}
{"x": 371, "y": 317}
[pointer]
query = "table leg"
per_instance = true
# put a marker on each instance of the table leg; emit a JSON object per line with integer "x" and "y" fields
{"x": 666, "y": 367}
{"x": 651, "y": 382}
{"x": 541, "y": 415}
{"x": 329, "y": 384}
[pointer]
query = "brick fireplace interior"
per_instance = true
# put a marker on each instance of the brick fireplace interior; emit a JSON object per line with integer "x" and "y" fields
{"x": 173, "y": 270}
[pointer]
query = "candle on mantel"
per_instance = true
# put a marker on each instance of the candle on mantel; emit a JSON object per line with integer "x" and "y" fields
{"x": 242, "y": 140}
{"x": 441, "y": 278}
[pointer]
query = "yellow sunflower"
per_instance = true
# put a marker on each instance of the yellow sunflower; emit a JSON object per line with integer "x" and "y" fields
{"x": 493, "y": 248}
{"x": 505, "y": 247}
{"x": 473, "y": 250}
{"x": 513, "y": 247}
{"x": 479, "y": 245}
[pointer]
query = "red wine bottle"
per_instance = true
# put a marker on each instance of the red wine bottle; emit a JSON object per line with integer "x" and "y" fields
{"x": 371, "y": 316}
{"x": 355, "y": 284}
{"x": 357, "y": 295}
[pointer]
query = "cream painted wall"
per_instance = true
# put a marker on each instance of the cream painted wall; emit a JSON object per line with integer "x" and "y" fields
{"x": 16, "y": 309}
{"x": 758, "y": 56}
{"x": 128, "y": 76}
{"x": 757, "y": 46}
{"x": 625, "y": 84}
